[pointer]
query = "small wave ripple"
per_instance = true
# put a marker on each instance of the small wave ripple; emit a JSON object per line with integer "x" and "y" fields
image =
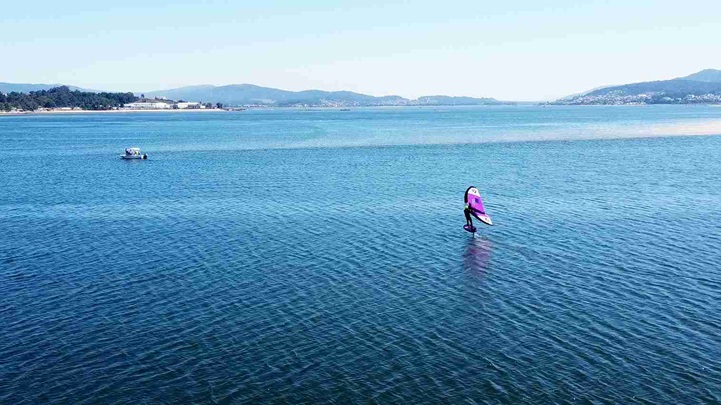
{"x": 343, "y": 276}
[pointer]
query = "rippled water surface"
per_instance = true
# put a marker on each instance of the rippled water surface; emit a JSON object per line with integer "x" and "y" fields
{"x": 318, "y": 256}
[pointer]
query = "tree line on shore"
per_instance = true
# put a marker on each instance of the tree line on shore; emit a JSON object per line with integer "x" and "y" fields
{"x": 60, "y": 97}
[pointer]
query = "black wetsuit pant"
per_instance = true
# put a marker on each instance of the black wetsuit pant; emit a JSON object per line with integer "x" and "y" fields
{"x": 467, "y": 213}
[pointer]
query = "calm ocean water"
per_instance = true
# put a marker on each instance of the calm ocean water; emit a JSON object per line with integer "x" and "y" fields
{"x": 318, "y": 256}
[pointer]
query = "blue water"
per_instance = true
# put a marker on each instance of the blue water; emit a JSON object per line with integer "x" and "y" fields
{"x": 318, "y": 256}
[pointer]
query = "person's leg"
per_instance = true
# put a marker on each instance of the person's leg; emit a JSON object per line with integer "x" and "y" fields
{"x": 467, "y": 213}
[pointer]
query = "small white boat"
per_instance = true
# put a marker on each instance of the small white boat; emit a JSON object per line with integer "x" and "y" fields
{"x": 133, "y": 153}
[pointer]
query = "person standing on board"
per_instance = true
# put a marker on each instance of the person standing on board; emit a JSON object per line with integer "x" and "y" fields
{"x": 467, "y": 213}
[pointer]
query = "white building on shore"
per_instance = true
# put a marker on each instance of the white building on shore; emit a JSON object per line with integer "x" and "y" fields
{"x": 158, "y": 104}
{"x": 148, "y": 105}
{"x": 189, "y": 105}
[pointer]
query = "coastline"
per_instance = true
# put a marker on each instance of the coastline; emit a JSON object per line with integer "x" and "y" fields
{"x": 207, "y": 110}
{"x": 52, "y": 112}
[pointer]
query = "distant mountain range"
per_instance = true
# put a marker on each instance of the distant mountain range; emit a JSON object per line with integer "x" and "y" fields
{"x": 703, "y": 87}
{"x": 27, "y": 87}
{"x": 248, "y": 94}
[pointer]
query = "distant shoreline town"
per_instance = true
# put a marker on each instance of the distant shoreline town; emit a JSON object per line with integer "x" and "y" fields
{"x": 702, "y": 87}
{"x": 619, "y": 98}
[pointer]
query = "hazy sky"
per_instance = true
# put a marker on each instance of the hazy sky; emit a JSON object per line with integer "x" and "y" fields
{"x": 511, "y": 50}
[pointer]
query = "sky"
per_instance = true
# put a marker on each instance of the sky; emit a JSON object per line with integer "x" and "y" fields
{"x": 525, "y": 50}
